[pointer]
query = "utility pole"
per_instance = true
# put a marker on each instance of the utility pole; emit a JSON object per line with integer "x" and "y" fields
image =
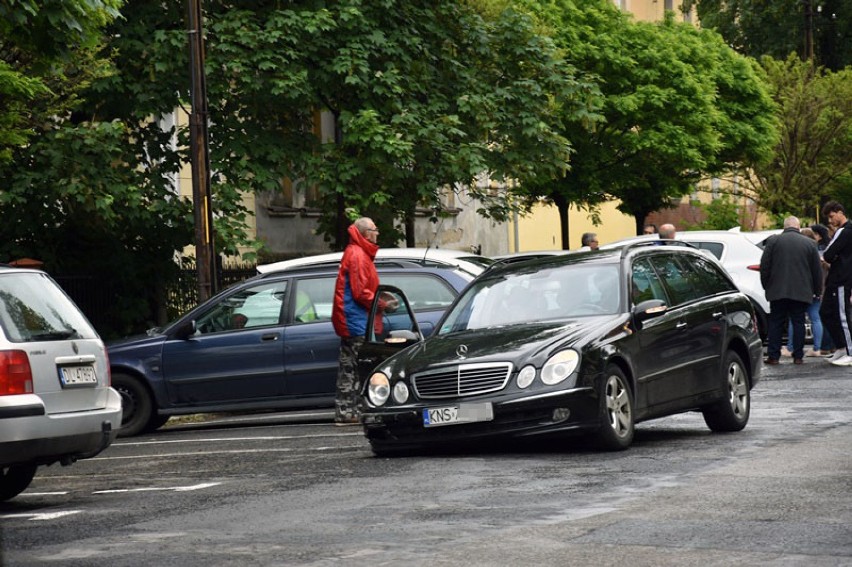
{"x": 202, "y": 209}
{"x": 809, "y": 30}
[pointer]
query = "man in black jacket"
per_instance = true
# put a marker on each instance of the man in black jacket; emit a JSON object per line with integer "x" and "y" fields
{"x": 791, "y": 275}
{"x": 838, "y": 283}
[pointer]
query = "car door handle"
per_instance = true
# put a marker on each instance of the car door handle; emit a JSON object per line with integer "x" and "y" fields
{"x": 718, "y": 315}
{"x": 680, "y": 325}
{"x": 269, "y": 337}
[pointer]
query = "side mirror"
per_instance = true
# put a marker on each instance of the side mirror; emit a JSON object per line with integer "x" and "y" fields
{"x": 401, "y": 337}
{"x": 648, "y": 310}
{"x": 185, "y": 330}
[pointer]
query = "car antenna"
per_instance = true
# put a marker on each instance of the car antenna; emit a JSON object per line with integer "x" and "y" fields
{"x": 429, "y": 242}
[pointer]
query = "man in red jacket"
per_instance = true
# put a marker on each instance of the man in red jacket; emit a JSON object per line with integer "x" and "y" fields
{"x": 356, "y": 285}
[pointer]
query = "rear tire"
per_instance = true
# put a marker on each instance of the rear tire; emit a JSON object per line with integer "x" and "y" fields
{"x": 136, "y": 405}
{"x": 14, "y": 480}
{"x": 732, "y": 412}
{"x": 615, "y": 411}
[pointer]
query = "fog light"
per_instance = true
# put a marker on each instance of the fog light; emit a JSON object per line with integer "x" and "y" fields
{"x": 400, "y": 393}
{"x": 561, "y": 414}
{"x": 525, "y": 376}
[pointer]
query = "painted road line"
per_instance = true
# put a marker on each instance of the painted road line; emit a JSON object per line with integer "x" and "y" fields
{"x": 159, "y": 488}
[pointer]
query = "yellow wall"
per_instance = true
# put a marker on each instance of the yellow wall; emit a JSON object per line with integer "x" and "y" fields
{"x": 540, "y": 230}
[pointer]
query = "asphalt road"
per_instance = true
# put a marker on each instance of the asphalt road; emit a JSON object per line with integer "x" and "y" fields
{"x": 292, "y": 489}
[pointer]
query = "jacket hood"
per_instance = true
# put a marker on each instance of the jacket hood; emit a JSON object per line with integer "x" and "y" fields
{"x": 356, "y": 238}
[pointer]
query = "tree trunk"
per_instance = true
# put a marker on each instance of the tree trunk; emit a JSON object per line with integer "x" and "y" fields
{"x": 562, "y": 206}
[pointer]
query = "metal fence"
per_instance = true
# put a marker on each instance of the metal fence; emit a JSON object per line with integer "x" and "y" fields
{"x": 183, "y": 295}
{"x": 96, "y": 297}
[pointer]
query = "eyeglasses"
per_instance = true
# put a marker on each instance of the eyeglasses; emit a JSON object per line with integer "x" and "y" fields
{"x": 372, "y": 230}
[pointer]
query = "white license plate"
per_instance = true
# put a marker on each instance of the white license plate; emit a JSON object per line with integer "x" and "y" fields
{"x": 462, "y": 413}
{"x": 78, "y": 375}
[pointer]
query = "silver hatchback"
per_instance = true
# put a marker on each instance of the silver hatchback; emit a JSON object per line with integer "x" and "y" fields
{"x": 56, "y": 403}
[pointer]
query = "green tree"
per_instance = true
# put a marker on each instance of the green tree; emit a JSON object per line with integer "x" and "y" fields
{"x": 46, "y": 57}
{"x": 677, "y": 105}
{"x": 779, "y": 27}
{"x": 813, "y": 158}
{"x": 425, "y": 96}
{"x": 82, "y": 192}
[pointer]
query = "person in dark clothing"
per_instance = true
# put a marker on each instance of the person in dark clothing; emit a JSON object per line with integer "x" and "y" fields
{"x": 838, "y": 283}
{"x": 791, "y": 275}
{"x": 823, "y": 237}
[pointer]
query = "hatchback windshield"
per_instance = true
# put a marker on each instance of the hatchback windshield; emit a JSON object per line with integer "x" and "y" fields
{"x": 556, "y": 293}
{"x": 34, "y": 309}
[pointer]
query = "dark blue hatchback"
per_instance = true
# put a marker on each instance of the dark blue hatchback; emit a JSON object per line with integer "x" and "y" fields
{"x": 266, "y": 343}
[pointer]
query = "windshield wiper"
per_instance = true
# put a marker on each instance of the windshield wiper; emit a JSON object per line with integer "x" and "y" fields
{"x": 54, "y": 335}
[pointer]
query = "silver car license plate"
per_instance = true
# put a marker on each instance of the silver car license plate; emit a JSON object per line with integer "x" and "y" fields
{"x": 462, "y": 413}
{"x": 78, "y": 375}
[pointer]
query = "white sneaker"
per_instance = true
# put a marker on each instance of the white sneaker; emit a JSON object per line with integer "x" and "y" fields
{"x": 785, "y": 351}
{"x": 845, "y": 360}
{"x": 839, "y": 353}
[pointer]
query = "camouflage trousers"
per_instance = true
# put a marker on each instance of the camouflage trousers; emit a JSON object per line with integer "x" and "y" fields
{"x": 347, "y": 405}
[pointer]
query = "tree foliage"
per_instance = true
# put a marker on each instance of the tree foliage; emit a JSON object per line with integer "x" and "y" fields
{"x": 46, "y": 57}
{"x": 425, "y": 95}
{"x": 677, "y": 105}
{"x": 83, "y": 190}
{"x": 813, "y": 158}
{"x": 777, "y": 28}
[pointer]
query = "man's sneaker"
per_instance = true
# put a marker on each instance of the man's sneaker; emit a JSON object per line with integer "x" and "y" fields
{"x": 839, "y": 353}
{"x": 785, "y": 351}
{"x": 844, "y": 360}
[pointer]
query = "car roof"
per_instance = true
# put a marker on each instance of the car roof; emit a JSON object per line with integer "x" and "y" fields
{"x": 611, "y": 254}
{"x": 733, "y": 235}
{"x": 470, "y": 263}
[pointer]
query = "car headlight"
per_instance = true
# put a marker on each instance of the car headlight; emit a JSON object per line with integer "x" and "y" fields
{"x": 400, "y": 392}
{"x": 525, "y": 376}
{"x": 559, "y": 367}
{"x": 378, "y": 389}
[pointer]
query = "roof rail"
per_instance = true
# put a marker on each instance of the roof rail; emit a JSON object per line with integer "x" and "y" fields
{"x": 658, "y": 242}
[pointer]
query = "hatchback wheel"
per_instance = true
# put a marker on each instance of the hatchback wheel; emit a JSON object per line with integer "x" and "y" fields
{"x": 136, "y": 405}
{"x": 731, "y": 413}
{"x": 14, "y": 480}
{"x": 616, "y": 411}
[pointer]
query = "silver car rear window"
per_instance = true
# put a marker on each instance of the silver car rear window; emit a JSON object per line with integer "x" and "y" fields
{"x": 33, "y": 308}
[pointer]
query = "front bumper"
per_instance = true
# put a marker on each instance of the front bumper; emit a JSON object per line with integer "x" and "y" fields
{"x": 531, "y": 415}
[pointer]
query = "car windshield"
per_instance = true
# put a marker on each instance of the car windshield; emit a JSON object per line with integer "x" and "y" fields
{"x": 33, "y": 308}
{"x": 552, "y": 293}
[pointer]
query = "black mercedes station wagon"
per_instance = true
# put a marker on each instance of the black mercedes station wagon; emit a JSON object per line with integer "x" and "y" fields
{"x": 586, "y": 343}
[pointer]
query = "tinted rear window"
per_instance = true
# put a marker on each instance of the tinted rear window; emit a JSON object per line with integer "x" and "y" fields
{"x": 33, "y": 308}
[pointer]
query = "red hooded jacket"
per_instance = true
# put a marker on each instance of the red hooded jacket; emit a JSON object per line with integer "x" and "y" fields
{"x": 356, "y": 285}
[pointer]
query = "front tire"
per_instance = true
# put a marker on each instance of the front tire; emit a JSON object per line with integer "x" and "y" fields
{"x": 136, "y": 405}
{"x": 732, "y": 412}
{"x": 615, "y": 411}
{"x": 14, "y": 480}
